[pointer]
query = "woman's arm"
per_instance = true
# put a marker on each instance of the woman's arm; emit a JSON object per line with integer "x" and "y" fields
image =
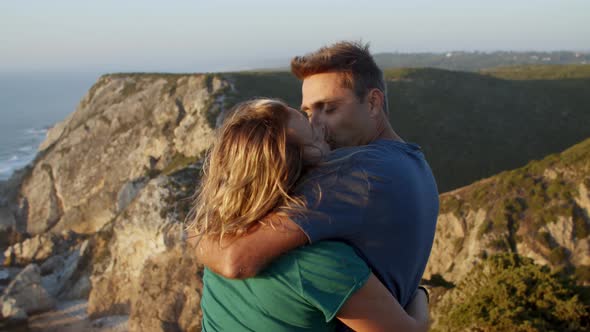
{"x": 373, "y": 309}
{"x": 418, "y": 307}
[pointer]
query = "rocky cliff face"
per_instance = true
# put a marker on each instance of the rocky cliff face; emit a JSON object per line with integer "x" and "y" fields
{"x": 539, "y": 211}
{"x": 126, "y": 128}
{"x": 119, "y": 173}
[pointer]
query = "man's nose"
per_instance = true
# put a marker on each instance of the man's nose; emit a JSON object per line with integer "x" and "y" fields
{"x": 317, "y": 119}
{"x": 319, "y": 130}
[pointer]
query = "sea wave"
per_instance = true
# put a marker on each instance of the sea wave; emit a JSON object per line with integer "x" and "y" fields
{"x": 7, "y": 167}
{"x": 36, "y": 131}
{"x": 21, "y": 152}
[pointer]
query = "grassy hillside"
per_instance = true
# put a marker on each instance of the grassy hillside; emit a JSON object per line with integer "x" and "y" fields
{"x": 470, "y": 125}
{"x": 538, "y": 72}
{"x": 474, "y": 61}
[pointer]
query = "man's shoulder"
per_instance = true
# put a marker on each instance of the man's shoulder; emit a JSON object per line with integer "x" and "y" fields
{"x": 379, "y": 158}
{"x": 383, "y": 149}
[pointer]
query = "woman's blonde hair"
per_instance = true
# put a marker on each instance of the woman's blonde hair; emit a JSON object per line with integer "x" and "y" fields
{"x": 251, "y": 169}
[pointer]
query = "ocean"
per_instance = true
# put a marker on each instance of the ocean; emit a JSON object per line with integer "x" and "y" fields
{"x": 30, "y": 103}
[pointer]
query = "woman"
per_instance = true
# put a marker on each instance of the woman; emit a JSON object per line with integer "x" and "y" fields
{"x": 259, "y": 155}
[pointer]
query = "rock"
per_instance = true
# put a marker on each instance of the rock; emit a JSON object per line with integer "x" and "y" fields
{"x": 11, "y": 311}
{"x": 151, "y": 225}
{"x": 70, "y": 316}
{"x": 169, "y": 295}
{"x": 4, "y": 275}
{"x": 127, "y": 127}
{"x": 63, "y": 279}
{"x": 13, "y": 317}
{"x": 80, "y": 290}
{"x": 27, "y": 290}
{"x": 7, "y": 274}
{"x": 36, "y": 249}
{"x": 128, "y": 192}
{"x": 52, "y": 264}
{"x": 53, "y": 134}
{"x": 12, "y": 229}
{"x": 42, "y": 199}
{"x": 456, "y": 248}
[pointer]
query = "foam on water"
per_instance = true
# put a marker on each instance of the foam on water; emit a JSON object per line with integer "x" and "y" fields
{"x": 21, "y": 152}
{"x": 29, "y": 102}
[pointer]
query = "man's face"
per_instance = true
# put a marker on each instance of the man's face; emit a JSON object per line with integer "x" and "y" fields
{"x": 330, "y": 105}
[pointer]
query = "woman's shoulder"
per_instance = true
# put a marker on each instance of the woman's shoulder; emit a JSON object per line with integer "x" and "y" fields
{"x": 327, "y": 249}
{"x": 329, "y": 273}
{"x": 325, "y": 262}
{"x": 329, "y": 253}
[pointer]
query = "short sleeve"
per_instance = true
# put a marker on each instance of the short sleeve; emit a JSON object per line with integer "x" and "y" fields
{"x": 330, "y": 272}
{"x": 336, "y": 202}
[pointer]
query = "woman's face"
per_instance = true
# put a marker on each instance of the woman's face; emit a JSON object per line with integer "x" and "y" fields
{"x": 311, "y": 138}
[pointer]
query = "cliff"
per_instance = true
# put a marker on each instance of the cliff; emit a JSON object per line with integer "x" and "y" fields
{"x": 512, "y": 252}
{"x": 538, "y": 211}
{"x": 98, "y": 215}
{"x": 118, "y": 173}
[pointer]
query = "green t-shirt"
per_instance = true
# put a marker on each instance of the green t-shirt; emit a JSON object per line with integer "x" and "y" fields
{"x": 301, "y": 291}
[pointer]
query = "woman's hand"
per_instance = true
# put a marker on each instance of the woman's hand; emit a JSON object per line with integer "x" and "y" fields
{"x": 373, "y": 309}
{"x": 418, "y": 308}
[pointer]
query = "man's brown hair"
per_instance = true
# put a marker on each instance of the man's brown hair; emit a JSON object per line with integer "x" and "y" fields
{"x": 352, "y": 59}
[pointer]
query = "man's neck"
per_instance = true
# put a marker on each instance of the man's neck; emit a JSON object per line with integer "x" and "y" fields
{"x": 385, "y": 131}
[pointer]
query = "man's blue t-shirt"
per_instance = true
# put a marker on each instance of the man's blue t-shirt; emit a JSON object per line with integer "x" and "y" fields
{"x": 380, "y": 198}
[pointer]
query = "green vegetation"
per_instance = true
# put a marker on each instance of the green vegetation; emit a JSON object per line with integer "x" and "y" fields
{"x": 582, "y": 274}
{"x": 540, "y": 72}
{"x": 472, "y": 126}
{"x": 152, "y": 76}
{"x": 511, "y": 293}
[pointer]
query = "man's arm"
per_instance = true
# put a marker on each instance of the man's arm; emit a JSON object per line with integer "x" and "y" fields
{"x": 373, "y": 309}
{"x": 244, "y": 256}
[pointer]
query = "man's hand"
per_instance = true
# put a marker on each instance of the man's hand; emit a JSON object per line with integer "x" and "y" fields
{"x": 244, "y": 256}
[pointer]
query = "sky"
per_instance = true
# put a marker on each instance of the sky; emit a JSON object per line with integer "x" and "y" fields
{"x": 200, "y": 36}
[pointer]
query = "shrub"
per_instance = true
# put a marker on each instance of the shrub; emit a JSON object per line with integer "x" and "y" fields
{"x": 510, "y": 293}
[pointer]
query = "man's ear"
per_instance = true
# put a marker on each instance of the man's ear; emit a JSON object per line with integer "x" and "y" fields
{"x": 375, "y": 99}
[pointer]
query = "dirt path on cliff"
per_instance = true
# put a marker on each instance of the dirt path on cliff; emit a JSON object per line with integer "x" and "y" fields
{"x": 71, "y": 317}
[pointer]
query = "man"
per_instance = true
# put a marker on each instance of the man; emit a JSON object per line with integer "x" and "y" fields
{"x": 374, "y": 191}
